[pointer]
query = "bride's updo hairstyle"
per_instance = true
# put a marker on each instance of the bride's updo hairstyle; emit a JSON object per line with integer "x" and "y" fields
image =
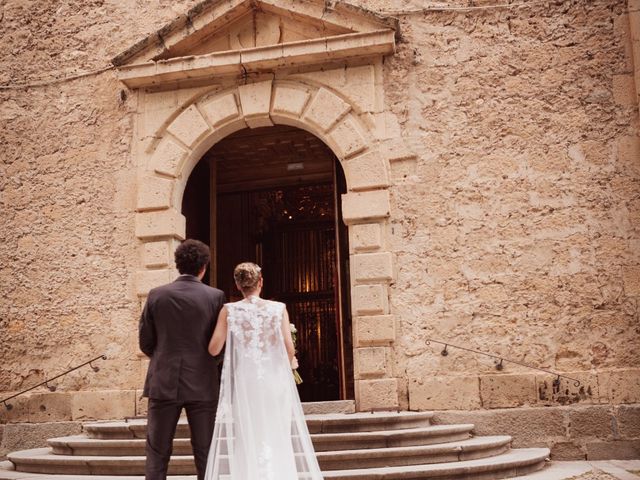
{"x": 247, "y": 275}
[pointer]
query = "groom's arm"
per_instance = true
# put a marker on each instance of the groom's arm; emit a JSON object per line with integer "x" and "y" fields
{"x": 147, "y": 330}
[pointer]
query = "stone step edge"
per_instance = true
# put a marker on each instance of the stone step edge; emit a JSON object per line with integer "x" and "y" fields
{"x": 428, "y": 432}
{"x": 44, "y": 455}
{"x": 514, "y": 459}
{"x": 313, "y": 421}
{"x": 459, "y": 446}
{"x": 339, "y": 418}
{"x": 330, "y": 406}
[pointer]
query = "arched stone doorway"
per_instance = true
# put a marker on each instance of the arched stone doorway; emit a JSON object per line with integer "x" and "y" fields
{"x": 197, "y": 119}
{"x": 272, "y": 195}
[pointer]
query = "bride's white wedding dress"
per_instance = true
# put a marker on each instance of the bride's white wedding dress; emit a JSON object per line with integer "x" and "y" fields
{"x": 260, "y": 431}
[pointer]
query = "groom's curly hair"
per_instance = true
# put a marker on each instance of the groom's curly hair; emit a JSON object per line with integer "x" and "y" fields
{"x": 191, "y": 255}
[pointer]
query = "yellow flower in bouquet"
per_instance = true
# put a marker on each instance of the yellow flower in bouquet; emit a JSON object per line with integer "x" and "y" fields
{"x": 294, "y": 362}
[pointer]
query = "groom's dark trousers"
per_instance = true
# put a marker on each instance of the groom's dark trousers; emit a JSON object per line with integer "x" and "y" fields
{"x": 175, "y": 328}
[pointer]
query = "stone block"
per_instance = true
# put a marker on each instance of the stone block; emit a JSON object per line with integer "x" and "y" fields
{"x": 142, "y": 404}
{"x": 148, "y": 279}
{"x": 22, "y": 436}
{"x": 377, "y": 394}
{"x": 374, "y": 330}
{"x": 366, "y": 236}
{"x": 396, "y": 149}
{"x": 624, "y": 89}
{"x": 620, "y": 386}
{"x": 500, "y": 391}
{"x": 565, "y": 451}
{"x": 372, "y": 266}
{"x": 347, "y": 139}
{"x": 442, "y": 393}
{"x": 591, "y": 422}
{"x": 628, "y": 421}
{"x": 370, "y": 299}
{"x": 154, "y": 193}
{"x": 255, "y": 99}
{"x": 371, "y": 362}
{"x": 104, "y": 405}
{"x": 163, "y": 223}
{"x": 528, "y": 426}
{"x": 220, "y": 110}
{"x": 565, "y": 392}
{"x": 189, "y": 127}
{"x": 404, "y": 168}
{"x": 289, "y": 100}
{"x": 19, "y": 411}
{"x": 628, "y": 151}
{"x": 168, "y": 158}
{"x": 49, "y": 407}
{"x": 366, "y": 171}
{"x": 614, "y": 450}
{"x": 631, "y": 280}
{"x": 157, "y": 254}
{"x": 38, "y": 407}
{"x": 325, "y": 110}
{"x": 358, "y": 206}
{"x": 361, "y": 87}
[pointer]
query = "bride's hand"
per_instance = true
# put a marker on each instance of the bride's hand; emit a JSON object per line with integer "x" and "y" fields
{"x": 294, "y": 363}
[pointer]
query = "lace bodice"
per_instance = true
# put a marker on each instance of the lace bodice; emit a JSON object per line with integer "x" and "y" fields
{"x": 255, "y": 326}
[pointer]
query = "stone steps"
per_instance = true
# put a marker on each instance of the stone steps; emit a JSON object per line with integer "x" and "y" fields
{"x": 507, "y": 465}
{"x": 43, "y": 460}
{"x": 383, "y": 445}
{"x": 322, "y": 442}
{"x": 317, "y": 423}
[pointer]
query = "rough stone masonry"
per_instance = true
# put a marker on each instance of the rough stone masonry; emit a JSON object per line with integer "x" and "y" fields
{"x": 513, "y": 222}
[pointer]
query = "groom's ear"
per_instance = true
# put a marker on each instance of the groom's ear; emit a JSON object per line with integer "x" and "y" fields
{"x": 202, "y": 271}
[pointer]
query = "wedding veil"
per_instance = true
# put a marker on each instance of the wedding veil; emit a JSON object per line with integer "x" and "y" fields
{"x": 260, "y": 431}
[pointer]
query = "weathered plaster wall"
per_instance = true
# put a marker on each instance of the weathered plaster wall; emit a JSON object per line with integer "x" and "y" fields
{"x": 514, "y": 226}
{"x": 67, "y": 196}
{"x": 517, "y": 227}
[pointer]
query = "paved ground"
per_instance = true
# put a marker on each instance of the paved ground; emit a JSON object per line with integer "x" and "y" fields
{"x": 601, "y": 470}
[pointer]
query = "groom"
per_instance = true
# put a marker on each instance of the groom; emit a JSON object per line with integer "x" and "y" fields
{"x": 175, "y": 328}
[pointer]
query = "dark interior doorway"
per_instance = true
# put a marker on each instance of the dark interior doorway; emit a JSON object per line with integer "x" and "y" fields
{"x": 272, "y": 196}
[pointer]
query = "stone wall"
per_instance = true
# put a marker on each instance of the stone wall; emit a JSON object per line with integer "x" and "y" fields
{"x": 516, "y": 228}
{"x": 67, "y": 195}
{"x": 514, "y": 223}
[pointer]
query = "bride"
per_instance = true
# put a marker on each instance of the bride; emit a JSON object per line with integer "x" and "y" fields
{"x": 260, "y": 431}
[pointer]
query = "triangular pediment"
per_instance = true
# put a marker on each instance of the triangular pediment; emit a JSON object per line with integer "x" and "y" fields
{"x": 256, "y": 28}
{"x": 220, "y": 33}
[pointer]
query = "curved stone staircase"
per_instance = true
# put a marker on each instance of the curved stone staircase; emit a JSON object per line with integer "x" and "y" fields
{"x": 354, "y": 446}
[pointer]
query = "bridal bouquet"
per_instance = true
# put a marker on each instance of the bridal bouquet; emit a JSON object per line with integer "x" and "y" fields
{"x": 294, "y": 362}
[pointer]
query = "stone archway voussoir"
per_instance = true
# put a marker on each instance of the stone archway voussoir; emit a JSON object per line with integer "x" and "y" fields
{"x": 347, "y": 138}
{"x": 189, "y": 127}
{"x": 168, "y": 158}
{"x": 255, "y": 100}
{"x": 220, "y": 109}
{"x": 289, "y": 101}
{"x": 325, "y": 110}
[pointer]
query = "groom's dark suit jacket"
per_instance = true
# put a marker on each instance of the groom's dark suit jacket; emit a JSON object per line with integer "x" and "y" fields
{"x": 175, "y": 328}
